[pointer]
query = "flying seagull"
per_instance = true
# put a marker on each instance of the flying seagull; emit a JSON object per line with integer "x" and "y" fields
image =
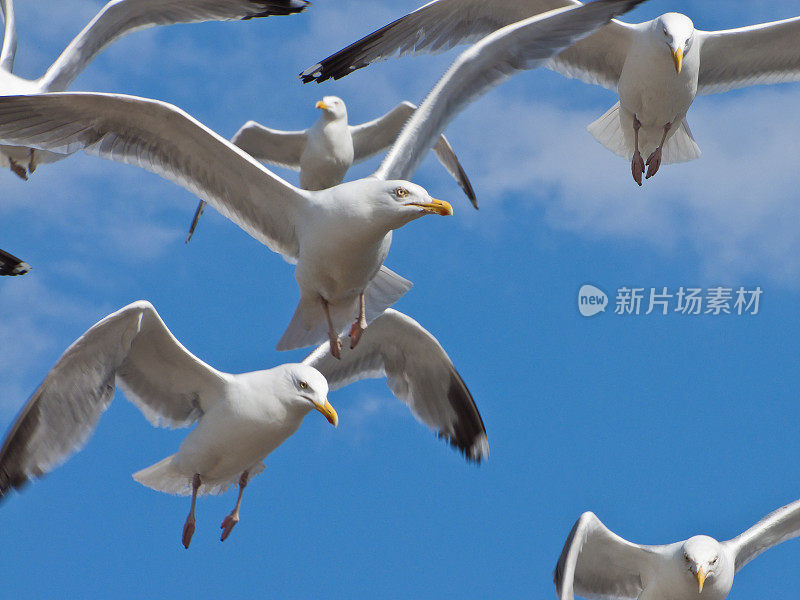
{"x": 324, "y": 152}
{"x": 117, "y": 19}
{"x": 597, "y": 563}
{"x": 239, "y": 419}
{"x": 340, "y": 236}
{"x": 11, "y": 265}
{"x": 657, "y": 67}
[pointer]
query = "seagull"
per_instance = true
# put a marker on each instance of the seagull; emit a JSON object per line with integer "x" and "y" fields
{"x": 324, "y": 152}
{"x": 116, "y": 19}
{"x": 597, "y": 563}
{"x": 239, "y": 419}
{"x": 11, "y": 265}
{"x": 338, "y": 237}
{"x": 657, "y": 67}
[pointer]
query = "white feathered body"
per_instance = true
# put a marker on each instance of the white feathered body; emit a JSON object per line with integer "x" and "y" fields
{"x": 674, "y": 581}
{"x": 328, "y": 154}
{"x": 235, "y": 435}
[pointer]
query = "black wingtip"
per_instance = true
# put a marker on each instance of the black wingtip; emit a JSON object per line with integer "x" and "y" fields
{"x": 277, "y": 8}
{"x": 11, "y": 266}
{"x": 469, "y": 433}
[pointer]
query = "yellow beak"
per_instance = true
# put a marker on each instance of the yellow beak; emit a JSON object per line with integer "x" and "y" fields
{"x": 328, "y": 412}
{"x": 677, "y": 58}
{"x": 321, "y": 105}
{"x": 701, "y": 579}
{"x": 439, "y": 207}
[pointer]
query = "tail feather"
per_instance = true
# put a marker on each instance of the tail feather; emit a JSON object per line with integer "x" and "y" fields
{"x": 609, "y": 131}
{"x": 164, "y": 476}
{"x": 309, "y": 327}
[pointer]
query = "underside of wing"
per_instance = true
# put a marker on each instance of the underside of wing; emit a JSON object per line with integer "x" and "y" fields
{"x": 272, "y": 146}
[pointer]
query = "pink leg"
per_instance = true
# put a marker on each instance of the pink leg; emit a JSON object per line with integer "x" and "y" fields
{"x": 31, "y": 162}
{"x": 336, "y": 343}
{"x": 654, "y": 160}
{"x": 233, "y": 518}
{"x": 188, "y": 527}
{"x": 360, "y": 323}
{"x": 637, "y": 164}
{"x": 18, "y": 169}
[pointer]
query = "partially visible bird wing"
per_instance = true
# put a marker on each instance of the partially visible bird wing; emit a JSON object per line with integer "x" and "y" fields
{"x": 597, "y": 563}
{"x": 131, "y": 347}
{"x": 522, "y": 46}
{"x": 166, "y": 141}
{"x": 736, "y": 58}
{"x": 778, "y": 526}
{"x": 9, "y": 50}
{"x": 11, "y": 265}
{"x": 121, "y": 17}
{"x": 418, "y": 372}
{"x": 377, "y": 135}
{"x": 272, "y": 146}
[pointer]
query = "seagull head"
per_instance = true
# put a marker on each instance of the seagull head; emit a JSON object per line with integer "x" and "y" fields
{"x": 332, "y": 108}
{"x": 402, "y": 201}
{"x": 701, "y": 557}
{"x": 677, "y": 32}
{"x": 304, "y": 386}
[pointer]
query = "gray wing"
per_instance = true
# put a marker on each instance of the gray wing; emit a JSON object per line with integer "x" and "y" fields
{"x": 11, "y": 265}
{"x": 778, "y": 526}
{"x": 418, "y": 372}
{"x": 121, "y": 17}
{"x": 9, "y": 50}
{"x": 597, "y": 563}
{"x": 735, "y": 58}
{"x": 442, "y": 24}
{"x": 131, "y": 347}
{"x": 522, "y": 46}
{"x": 377, "y": 135}
{"x": 272, "y": 146}
{"x": 166, "y": 141}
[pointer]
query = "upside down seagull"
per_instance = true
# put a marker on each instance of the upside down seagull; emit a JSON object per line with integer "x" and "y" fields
{"x": 657, "y": 67}
{"x": 324, "y": 152}
{"x": 597, "y": 563}
{"x": 240, "y": 419}
{"x": 338, "y": 237}
{"x": 115, "y": 20}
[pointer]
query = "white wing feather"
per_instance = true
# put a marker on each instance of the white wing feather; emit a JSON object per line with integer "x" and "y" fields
{"x": 419, "y": 373}
{"x": 778, "y": 526}
{"x": 121, "y": 17}
{"x": 522, "y": 46}
{"x": 758, "y": 54}
{"x": 597, "y": 563}
{"x": 164, "y": 140}
{"x": 132, "y": 348}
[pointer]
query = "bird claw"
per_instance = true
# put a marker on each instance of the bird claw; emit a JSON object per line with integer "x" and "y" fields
{"x": 18, "y": 169}
{"x": 188, "y": 532}
{"x": 653, "y": 163}
{"x": 227, "y": 526}
{"x": 356, "y": 329}
{"x": 637, "y": 167}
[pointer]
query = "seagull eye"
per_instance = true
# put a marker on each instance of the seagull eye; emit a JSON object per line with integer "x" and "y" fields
{"x": 401, "y": 192}
{"x": 713, "y": 562}
{"x": 665, "y": 31}
{"x": 303, "y": 385}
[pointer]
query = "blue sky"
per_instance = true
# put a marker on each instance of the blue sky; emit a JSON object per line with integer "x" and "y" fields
{"x": 664, "y": 426}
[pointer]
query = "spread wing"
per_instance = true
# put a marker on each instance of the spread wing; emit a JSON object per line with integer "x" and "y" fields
{"x": 418, "y": 372}
{"x": 442, "y": 24}
{"x": 11, "y": 265}
{"x": 9, "y": 50}
{"x": 164, "y": 140}
{"x": 282, "y": 148}
{"x": 735, "y": 58}
{"x": 778, "y": 526}
{"x": 597, "y": 563}
{"x": 377, "y": 135}
{"x": 121, "y": 17}
{"x": 522, "y": 46}
{"x": 132, "y": 348}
